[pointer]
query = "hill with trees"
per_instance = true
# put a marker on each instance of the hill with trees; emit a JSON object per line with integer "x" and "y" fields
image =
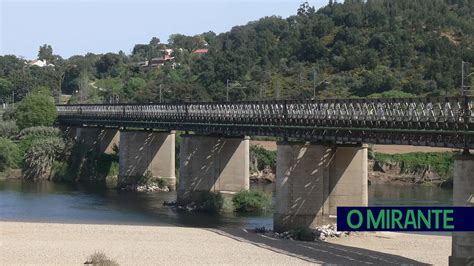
{"x": 373, "y": 48}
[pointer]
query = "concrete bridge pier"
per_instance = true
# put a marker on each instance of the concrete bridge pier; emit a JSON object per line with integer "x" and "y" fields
{"x": 143, "y": 152}
{"x": 100, "y": 140}
{"x": 313, "y": 179}
{"x": 210, "y": 163}
{"x": 462, "y": 251}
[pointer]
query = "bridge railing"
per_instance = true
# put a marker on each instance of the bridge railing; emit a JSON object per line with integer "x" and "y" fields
{"x": 434, "y": 113}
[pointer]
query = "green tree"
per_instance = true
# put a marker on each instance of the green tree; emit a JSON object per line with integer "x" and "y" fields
{"x": 9, "y": 154}
{"x": 133, "y": 86}
{"x": 107, "y": 65}
{"x": 37, "y": 109}
{"x": 5, "y": 87}
{"x": 46, "y": 53}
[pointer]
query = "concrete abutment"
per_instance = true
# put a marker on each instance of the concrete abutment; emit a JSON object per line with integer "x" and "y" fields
{"x": 462, "y": 251}
{"x": 313, "y": 179}
{"x": 210, "y": 163}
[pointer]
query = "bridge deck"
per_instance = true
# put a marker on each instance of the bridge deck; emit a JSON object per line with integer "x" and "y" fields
{"x": 437, "y": 121}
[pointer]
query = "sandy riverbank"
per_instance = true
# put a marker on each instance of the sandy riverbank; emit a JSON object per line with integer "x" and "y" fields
{"x": 67, "y": 244}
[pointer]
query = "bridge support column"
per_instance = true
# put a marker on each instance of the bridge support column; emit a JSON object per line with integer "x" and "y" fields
{"x": 348, "y": 182}
{"x": 312, "y": 180}
{"x": 97, "y": 139}
{"x": 463, "y": 192}
{"x": 143, "y": 152}
{"x": 210, "y": 163}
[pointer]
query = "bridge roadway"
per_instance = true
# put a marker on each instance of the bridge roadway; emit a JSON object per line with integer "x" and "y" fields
{"x": 429, "y": 121}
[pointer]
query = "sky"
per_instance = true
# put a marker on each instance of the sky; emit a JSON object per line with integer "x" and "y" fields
{"x": 74, "y": 27}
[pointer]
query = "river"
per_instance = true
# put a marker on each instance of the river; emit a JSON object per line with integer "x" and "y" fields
{"x": 67, "y": 203}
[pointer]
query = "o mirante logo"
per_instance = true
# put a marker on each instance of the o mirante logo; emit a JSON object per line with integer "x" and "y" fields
{"x": 405, "y": 219}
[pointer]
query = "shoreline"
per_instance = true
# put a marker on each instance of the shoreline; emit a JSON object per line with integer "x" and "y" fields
{"x": 59, "y": 243}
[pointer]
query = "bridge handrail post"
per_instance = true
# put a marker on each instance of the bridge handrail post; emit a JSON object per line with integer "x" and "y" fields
{"x": 466, "y": 124}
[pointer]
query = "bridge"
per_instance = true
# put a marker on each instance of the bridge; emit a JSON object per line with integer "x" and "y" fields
{"x": 321, "y": 157}
{"x": 440, "y": 122}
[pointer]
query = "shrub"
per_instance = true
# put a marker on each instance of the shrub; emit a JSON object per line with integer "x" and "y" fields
{"x": 29, "y": 135}
{"x": 107, "y": 165}
{"x": 392, "y": 94}
{"x": 39, "y": 158}
{"x": 262, "y": 157}
{"x": 9, "y": 154}
{"x": 40, "y": 131}
{"x": 251, "y": 201}
{"x": 99, "y": 258}
{"x": 8, "y": 129}
{"x": 37, "y": 109}
{"x": 210, "y": 202}
{"x": 59, "y": 170}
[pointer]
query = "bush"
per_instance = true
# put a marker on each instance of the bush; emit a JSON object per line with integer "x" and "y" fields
{"x": 251, "y": 201}
{"x": 37, "y": 109}
{"x": 210, "y": 202}
{"x": 39, "y": 131}
{"x": 99, "y": 258}
{"x": 392, "y": 94}
{"x": 9, "y": 154}
{"x": 29, "y": 135}
{"x": 59, "y": 170}
{"x": 39, "y": 158}
{"x": 262, "y": 158}
{"x": 8, "y": 129}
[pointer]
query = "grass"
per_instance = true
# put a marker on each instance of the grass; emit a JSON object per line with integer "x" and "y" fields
{"x": 100, "y": 259}
{"x": 251, "y": 201}
{"x": 439, "y": 162}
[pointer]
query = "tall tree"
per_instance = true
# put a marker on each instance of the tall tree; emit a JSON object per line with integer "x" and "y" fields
{"x": 46, "y": 53}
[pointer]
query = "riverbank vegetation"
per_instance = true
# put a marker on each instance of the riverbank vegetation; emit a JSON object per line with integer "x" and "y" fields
{"x": 251, "y": 201}
{"x": 440, "y": 162}
{"x": 27, "y": 140}
{"x": 433, "y": 168}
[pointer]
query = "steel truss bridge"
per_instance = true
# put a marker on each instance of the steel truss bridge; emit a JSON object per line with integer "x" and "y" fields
{"x": 435, "y": 121}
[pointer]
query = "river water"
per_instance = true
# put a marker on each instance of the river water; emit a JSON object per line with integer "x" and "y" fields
{"x": 67, "y": 203}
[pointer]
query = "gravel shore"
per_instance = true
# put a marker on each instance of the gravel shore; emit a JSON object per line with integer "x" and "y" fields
{"x": 71, "y": 244}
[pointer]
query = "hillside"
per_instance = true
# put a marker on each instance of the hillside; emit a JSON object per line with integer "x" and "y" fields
{"x": 375, "y": 48}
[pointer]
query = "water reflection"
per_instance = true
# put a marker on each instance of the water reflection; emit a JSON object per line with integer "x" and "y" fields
{"x": 56, "y": 202}
{"x": 399, "y": 195}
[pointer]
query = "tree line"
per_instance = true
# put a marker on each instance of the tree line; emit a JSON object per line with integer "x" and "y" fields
{"x": 373, "y": 48}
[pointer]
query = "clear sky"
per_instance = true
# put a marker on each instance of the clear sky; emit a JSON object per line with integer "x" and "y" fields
{"x": 80, "y": 26}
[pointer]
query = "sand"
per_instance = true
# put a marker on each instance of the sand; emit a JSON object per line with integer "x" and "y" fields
{"x": 71, "y": 244}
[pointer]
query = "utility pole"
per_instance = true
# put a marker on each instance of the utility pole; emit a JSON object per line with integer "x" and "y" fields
{"x": 161, "y": 95}
{"x": 462, "y": 78}
{"x": 13, "y": 99}
{"x": 227, "y": 91}
{"x": 314, "y": 84}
